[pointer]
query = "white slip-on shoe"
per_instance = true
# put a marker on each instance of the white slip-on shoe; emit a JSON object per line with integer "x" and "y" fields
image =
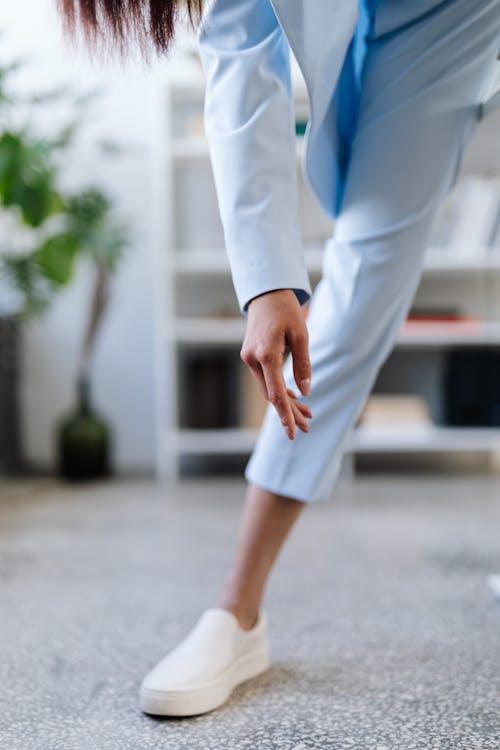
{"x": 200, "y": 673}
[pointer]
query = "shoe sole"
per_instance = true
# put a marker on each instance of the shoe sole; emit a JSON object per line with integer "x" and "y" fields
{"x": 188, "y": 702}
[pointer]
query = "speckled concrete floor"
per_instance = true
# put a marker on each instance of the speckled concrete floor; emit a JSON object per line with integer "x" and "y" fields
{"x": 383, "y": 633}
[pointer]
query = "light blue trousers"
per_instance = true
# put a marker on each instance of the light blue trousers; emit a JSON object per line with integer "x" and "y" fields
{"x": 426, "y": 64}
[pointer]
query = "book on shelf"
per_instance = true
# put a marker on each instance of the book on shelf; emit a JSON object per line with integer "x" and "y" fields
{"x": 439, "y": 314}
{"x": 465, "y": 224}
{"x": 210, "y": 390}
{"x": 395, "y": 409}
{"x": 471, "y": 387}
{"x": 435, "y": 318}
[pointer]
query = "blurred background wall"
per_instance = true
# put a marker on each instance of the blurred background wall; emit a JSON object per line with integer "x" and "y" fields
{"x": 124, "y": 371}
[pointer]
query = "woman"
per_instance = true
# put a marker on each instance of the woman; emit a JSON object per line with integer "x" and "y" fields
{"x": 395, "y": 90}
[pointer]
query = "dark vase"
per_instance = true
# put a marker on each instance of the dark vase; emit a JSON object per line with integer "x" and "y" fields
{"x": 83, "y": 440}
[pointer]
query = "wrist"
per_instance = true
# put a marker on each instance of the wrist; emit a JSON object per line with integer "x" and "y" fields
{"x": 280, "y": 291}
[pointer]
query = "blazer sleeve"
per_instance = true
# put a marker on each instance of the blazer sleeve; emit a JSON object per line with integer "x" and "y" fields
{"x": 250, "y": 126}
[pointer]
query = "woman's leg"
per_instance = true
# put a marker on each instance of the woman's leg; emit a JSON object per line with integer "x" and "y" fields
{"x": 266, "y": 521}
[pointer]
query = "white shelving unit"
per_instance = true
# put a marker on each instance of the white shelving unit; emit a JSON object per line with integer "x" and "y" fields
{"x": 364, "y": 439}
{"x": 196, "y": 306}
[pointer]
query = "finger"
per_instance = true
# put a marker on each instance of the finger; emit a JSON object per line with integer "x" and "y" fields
{"x": 298, "y": 342}
{"x": 304, "y": 411}
{"x": 277, "y": 393}
{"x": 300, "y": 420}
{"x": 257, "y": 372}
{"x": 303, "y": 407}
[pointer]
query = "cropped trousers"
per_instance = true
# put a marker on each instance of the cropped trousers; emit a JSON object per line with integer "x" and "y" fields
{"x": 426, "y": 67}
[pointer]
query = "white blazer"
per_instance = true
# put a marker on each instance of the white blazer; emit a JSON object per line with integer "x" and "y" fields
{"x": 244, "y": 47}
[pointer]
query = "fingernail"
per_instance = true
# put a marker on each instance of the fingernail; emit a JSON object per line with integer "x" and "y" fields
{"x": 305, "y": 386}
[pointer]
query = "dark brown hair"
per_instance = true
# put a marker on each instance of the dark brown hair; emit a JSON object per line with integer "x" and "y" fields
{"x": 119, "y": 25}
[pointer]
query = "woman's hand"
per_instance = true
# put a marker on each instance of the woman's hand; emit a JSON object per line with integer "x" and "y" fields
{"x": 276, "y": 320}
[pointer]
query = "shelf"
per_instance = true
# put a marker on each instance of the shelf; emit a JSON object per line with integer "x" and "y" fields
{"x": 232, "y": 330}
{"x": 423, "y": 438}
{"x": 216, "y": 442}
{"x": 184, "y": 148}
{"x": 188, "y": 147}
{"x": 420, "y": 334}
{"x": 373, "y": 438}
{"x": 463, "y": 267}
{"x": 209, "y": 330}
{"x": 183, "y": 85}
{"x": 215, "y": 263}
{"x": 202, "y": 262}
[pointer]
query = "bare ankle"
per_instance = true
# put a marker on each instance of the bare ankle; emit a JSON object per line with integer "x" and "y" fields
{"x": 246, "y": 618}
{"x": 245, "y": 611}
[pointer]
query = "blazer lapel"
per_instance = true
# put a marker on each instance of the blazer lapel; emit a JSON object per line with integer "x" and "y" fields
{"x": 319, "y": 33}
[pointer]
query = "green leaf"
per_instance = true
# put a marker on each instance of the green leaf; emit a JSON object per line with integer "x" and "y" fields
{"x": 30, "y": 170}
{"x": 87, "y": 208}
{"x": 27, "y": 177}
{"x": 55, "y": 257}
{"x": 24, "y": 277}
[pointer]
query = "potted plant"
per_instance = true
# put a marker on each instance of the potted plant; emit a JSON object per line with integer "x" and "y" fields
{"x": 44, "y": 231}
